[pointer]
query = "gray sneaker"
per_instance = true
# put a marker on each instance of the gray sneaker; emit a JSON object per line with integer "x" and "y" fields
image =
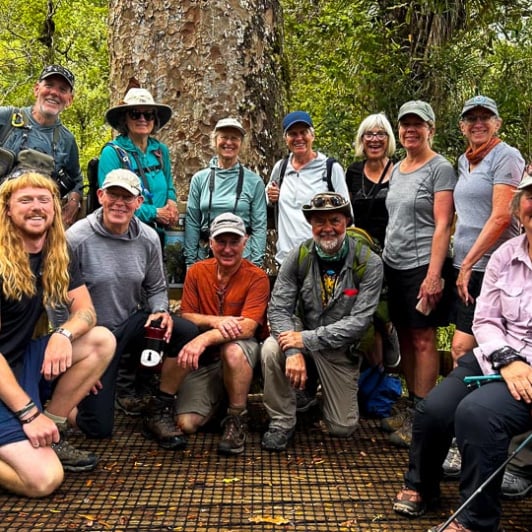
{"x": 453, "y": 462}
{"x": 514, "y": 486}
{"x": 73, "y": 459}
{"x": 276, "y": 439}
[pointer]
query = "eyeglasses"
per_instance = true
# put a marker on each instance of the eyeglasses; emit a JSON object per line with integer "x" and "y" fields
{"x": 327, "y": 201}
{"x": 128, "y": 200}
{"x": 136, "y": 115}
{"x": 471, "y": 119}
{"x": 379, "y": 135}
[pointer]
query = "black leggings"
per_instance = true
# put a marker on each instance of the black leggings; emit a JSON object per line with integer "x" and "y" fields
{"x": 484, "y": 421}
{"x": 96, "y": 412}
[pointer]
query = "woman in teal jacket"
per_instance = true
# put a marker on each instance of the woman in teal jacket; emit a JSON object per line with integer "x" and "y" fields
{"x": 225, "y": 186}
{"x": 137, "y": 119}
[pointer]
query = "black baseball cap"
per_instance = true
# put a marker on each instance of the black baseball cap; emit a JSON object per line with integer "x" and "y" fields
{"x": 58, "y": 70}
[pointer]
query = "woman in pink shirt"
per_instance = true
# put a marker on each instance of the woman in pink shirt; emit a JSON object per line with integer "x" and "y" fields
{"x": 484, "y": 419}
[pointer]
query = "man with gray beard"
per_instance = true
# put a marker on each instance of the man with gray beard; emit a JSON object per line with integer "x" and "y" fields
{"x": 322, "y": 303}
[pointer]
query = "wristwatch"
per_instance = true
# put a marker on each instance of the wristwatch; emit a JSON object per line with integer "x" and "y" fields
{"x": 504, "y": 356}
{"x": 64, "y": 332}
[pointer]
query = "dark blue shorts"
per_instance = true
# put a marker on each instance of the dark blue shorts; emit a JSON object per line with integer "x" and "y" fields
{"x": 30, "y": 379}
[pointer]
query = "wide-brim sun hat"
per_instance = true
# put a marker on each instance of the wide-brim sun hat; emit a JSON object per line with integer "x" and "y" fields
{"x": 327, "y": 202}
{"x": 418, "y": 108}
{"x": 137, "y": 97}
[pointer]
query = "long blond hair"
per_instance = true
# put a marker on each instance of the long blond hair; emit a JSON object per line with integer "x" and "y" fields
{"x": 15, "y": 272}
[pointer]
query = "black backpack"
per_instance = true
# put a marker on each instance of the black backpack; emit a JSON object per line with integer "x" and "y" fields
{"x": 92, "y": 176}
{"x": 328, "y": 177}
{"x": 328, "y": 172}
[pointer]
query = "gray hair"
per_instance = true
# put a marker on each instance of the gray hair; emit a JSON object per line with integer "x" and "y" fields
{"x": 379, "y": 121}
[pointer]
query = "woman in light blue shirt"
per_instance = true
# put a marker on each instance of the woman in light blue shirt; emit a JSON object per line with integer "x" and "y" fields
{"x": 225, "y": 186}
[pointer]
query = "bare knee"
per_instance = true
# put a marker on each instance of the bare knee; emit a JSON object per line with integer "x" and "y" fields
{"x": 461, "y": 344}
{"x": 105, "y": 343}
{"x": 233, "y": 356}
{"x": 43, "y": 483}
{"x": 190, "y": 423}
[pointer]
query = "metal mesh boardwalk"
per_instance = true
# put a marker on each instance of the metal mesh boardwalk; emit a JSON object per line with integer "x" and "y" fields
{"x": 321, "y": 484}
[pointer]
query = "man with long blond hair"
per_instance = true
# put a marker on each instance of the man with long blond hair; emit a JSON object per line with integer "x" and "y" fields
{"x": 35, "y": 272}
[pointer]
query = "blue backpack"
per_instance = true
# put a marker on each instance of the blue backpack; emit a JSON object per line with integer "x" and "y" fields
{"x": 377, "y": 392}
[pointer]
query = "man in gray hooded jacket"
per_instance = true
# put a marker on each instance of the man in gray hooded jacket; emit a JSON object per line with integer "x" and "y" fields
{"x": 120, "y": 260}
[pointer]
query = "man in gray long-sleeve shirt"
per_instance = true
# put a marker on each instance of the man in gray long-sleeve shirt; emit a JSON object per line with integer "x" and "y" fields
{"x": 322, "y": 303}
{"x": 121, "y": 263}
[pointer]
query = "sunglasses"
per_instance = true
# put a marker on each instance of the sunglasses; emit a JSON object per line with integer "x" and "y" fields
{"x": 327, "y": 201}
{"x": 136, "y": 115}
{"x": 471, "y": 119}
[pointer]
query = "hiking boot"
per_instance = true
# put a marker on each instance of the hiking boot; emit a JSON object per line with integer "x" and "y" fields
{"x": 159, "y": 424}
{"x": 73, "y": 459}
{"x": 305, "y": 401}
{"x": 391, "y": 350}
{"x": 409, "y": 502}
{"x": 395, "y": 422}
{"x": 276, "y": 439}
{"x": 403, "y": 436}
{"x": 234, "y": 434}
{"x": 515, "y": 486}
{"x": 453, "y": 526}
{"x": 453, "y": 462}
{"x": 132, "y": 405}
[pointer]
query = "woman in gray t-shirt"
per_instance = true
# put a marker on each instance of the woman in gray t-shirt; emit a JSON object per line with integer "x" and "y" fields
{"x": 489, "y": 172}
{"x": 420, "y": 208}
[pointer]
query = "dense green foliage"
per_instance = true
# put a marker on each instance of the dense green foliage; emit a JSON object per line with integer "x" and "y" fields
{"x": 350, "y": 58}
{"x": 34, "y": 33}
{"x": 345, "y": 59}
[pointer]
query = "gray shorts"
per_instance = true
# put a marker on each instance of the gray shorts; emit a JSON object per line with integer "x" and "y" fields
{"x": 202, "y": 391}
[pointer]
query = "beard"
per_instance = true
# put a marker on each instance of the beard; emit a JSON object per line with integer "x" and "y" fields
{"x": 329, "y": 245}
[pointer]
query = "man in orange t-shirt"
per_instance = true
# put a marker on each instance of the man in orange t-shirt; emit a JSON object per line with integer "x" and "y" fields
{"x": 226, "y": 297}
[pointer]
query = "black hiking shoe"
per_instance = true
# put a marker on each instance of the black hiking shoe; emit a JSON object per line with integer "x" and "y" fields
{"x": 159, "y": 425}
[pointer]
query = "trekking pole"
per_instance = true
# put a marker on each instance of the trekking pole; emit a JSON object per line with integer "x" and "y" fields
{"x": 485, "y": 483}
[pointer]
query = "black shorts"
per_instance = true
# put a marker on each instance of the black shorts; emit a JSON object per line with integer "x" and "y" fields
{"x": 403, "y": 288}
{"x": 462, "y": 314}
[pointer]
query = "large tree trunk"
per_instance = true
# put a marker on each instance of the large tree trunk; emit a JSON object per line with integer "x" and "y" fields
{"x": 207, "y": 60}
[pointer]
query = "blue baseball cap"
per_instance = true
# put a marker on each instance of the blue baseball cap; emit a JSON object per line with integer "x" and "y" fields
{"x": 296, "y": 117}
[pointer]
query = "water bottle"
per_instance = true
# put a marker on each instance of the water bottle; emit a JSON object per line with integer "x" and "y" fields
{"x": 152, "y": 354}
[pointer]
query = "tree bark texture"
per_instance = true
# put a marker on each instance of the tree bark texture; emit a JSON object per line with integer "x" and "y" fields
{"x": 207, "y": 59}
